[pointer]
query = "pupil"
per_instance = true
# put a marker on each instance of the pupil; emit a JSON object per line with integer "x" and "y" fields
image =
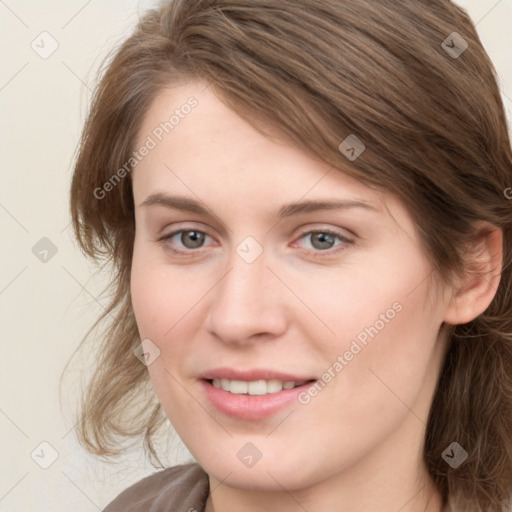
{"x": 323, "y": 238}
{"x": 195, "y": 237}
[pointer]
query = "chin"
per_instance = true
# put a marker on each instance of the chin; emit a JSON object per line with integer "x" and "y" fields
{"x": 266, "y": 474}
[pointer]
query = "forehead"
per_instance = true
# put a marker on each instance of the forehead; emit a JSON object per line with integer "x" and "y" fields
{"x": 211, "y": 136}
{"x": 207, "y": 152}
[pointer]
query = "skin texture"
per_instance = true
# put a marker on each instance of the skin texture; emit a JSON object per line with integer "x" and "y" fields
{"x": 359, "y": 441}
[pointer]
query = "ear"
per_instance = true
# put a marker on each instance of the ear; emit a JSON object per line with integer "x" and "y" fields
{"x": 473, "y": 292}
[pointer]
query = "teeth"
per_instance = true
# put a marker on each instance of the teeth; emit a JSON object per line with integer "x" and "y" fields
{"x": 238, "y": 387}
{"x": 256, "y": 387}
{"x": 274, "y": 386}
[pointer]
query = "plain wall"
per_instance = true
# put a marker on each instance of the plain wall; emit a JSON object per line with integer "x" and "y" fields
{"x": 46, "y": 307}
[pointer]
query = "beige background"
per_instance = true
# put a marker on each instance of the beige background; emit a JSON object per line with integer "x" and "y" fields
{"x": 47, "y": 307}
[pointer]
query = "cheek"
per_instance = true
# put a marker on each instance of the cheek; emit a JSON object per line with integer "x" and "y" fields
{"x": 392, "y": 365}
{"x": 160, "y": 308}
{"x": 146, "y": 300}
{"x": 161, "y": 294}
{"x": 385, "y": 332}
{"x": 372, "y": 302}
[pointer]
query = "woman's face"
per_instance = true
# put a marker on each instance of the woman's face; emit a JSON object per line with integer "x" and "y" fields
{"x": 267, "y": 290}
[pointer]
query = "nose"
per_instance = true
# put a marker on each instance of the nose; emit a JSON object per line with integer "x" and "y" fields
{"x": 247, "y": 304}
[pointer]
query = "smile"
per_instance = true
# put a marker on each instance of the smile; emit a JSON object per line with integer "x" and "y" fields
{"x": 255, "y": 387}
{"x": 252, "y": 400}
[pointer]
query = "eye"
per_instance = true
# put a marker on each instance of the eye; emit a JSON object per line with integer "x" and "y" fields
{"x": 191, "y": 240}
{"x": 322, "y": 241}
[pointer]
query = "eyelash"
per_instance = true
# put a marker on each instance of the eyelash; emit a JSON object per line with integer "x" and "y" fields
{"x": 314, "y": 253}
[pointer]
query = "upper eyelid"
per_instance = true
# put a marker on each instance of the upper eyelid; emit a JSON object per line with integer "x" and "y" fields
{"x": 320, "y": 227}
{"x": 337, "y": 231}
{"x": 333, "y": 231}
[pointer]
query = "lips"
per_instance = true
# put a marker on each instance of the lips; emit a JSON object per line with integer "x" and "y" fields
{"x": 252, "y": 394}
{"x": 253, "y": 375}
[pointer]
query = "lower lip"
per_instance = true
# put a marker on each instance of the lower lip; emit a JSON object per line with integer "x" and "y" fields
{"x": 251, "y": 407}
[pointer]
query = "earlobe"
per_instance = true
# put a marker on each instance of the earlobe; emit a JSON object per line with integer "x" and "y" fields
{"x": 475, "y": 290}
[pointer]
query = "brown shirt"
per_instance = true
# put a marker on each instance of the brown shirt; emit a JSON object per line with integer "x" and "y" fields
{"x": 180, "y": 488}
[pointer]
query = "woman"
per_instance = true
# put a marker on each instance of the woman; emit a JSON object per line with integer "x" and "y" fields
{"x": 305, "y": 207}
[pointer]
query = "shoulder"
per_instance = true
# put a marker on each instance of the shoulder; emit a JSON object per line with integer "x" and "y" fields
{"x": 181, "y": 488}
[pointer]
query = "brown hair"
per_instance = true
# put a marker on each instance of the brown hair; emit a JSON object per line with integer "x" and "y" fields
{"x": 435, "y": 132}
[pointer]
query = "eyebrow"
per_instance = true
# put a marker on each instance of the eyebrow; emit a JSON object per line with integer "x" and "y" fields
{"x": 287, "y": 210}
